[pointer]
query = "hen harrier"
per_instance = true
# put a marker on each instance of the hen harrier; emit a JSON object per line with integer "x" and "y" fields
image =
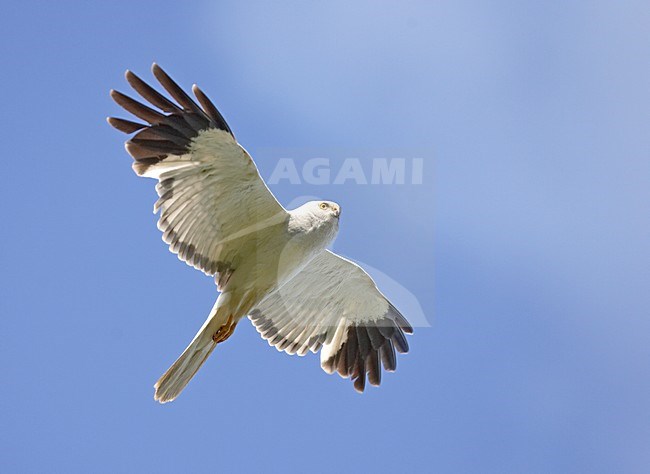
{"x": 269, "y": 263}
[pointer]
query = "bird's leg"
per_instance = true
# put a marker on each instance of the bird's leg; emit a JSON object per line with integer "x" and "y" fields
{"x": 230, "y": 328}
{"x": 224, "y": 331}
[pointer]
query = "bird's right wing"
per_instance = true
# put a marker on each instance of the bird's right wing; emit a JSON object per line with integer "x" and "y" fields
{"x": 334, "y": 304}
{"x": 212, "y": 199}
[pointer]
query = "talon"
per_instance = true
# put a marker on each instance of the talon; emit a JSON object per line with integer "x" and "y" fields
{"x": 225, "y": 331}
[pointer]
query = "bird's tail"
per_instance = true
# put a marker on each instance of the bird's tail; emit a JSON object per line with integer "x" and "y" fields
{"x": 172, "y": 383}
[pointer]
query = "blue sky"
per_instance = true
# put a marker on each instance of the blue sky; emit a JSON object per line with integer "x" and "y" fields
{"x": 526, "y": 246}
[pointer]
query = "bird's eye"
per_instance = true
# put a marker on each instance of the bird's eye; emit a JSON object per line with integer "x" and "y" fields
{"x": 323, "y": 205}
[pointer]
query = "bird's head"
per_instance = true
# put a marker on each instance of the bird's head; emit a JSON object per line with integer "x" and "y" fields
{"x": 321, "y": 217}
{"x": 318, "y": 214}
{"x": 325, "y": 209}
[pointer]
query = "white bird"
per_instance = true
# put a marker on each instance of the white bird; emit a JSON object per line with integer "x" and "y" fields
{"x": 270, "y": 264}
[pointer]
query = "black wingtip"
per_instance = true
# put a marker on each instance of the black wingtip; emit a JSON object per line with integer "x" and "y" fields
{"x": 157, "y": 70}
{"x": 131, "y": 78}
{"x": 173, "y": 123}
{"x": 211, "y": 110}
{"x": 126, "y": 126}
{"x": 118, "y": 96}
{"x": 402, "y": 322}
{"x": 360, "y": 383}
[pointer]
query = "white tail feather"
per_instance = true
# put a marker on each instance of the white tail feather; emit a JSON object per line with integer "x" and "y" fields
{"x": 172, "y": 383}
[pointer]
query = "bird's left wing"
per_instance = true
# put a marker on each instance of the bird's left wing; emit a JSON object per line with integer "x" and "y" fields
{"x": 333, "y": 304}
{"x": 212, "y": 198}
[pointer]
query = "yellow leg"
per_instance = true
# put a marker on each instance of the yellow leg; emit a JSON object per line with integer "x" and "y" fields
{"x": 224, "y": 331}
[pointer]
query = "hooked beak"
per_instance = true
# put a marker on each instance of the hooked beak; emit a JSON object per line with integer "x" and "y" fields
{"x": 337, "y": 212}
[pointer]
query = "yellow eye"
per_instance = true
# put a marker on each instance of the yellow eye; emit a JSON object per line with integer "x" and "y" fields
{"x": 323, "y": 205}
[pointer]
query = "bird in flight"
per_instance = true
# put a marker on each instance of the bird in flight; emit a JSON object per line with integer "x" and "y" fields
{"x": 269, "y": 263}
